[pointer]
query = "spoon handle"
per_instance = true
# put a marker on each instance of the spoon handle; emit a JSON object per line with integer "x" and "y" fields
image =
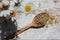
{"x": 23, "y": 29}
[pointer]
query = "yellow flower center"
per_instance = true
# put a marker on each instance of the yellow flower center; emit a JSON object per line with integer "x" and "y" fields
{"x": 13, "y": 13}
{"x": 1, "y": 0}
{"x": 28, "y": 8}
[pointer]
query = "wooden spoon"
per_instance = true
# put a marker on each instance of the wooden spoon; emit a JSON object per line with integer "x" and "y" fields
{"x": 38, "y": 21}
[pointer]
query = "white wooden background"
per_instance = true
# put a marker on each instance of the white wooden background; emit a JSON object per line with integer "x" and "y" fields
{"x": 53, "y": 32}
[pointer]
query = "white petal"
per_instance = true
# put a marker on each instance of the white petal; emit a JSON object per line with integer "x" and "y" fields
{"x": 5, "y": 2}
{"x": 12, "y": 3}
{"x": 0, "y": 5}
{"x": 11, "y": 8}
